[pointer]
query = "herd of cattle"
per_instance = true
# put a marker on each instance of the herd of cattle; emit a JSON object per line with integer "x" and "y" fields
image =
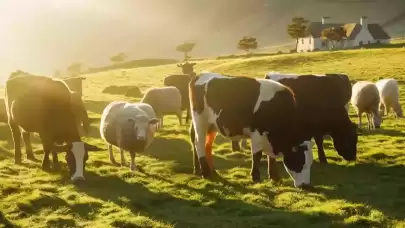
{"x": 280, "y": 114}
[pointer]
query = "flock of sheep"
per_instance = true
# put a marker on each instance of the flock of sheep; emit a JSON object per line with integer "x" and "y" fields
{"x": 48, "y": 107}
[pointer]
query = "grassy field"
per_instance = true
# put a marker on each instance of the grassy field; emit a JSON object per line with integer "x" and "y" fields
{"x": 166, "y": 194}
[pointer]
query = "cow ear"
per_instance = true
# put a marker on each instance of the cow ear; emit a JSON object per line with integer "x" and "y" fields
{"x": 153, "y": 121}
{"x": 89, "y": 147}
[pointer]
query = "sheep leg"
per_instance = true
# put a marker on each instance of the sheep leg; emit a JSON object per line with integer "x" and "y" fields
{"x": 359, "y": 115}
{"x": 321, "y": 152}
{"x": 123, "y": 162}
{"x": 28, "y": 148}
{"x": 369, "y": 120}
{"x": 110, "y": 151}
{"x": 15, "y": 130}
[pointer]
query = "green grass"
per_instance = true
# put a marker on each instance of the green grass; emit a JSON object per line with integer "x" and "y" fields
{"x": 368, "y": 194}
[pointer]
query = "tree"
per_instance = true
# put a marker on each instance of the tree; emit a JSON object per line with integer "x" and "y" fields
{"x": 334, "y": 35}
{"x": 298, "y": 29}
{"x": 186, "y": 47}
{"x": 247, "y": 43}
{"x": 118, "y": 58}
{"x": 75, "y": 68}
{"x": 57, "y": 74}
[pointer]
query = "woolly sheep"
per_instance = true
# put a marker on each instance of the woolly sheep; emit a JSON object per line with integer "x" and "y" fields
{"x": 389, "y": 96}
{"x": 365, "y": 99}
{"x": 164, "y": 101}
{"x": 128, "y": 126}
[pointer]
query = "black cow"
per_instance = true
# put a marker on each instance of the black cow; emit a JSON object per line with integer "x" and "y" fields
{"x": 180, "y": 81}
{"x": 241, "y": 107}
{"x": 322, "y": 101}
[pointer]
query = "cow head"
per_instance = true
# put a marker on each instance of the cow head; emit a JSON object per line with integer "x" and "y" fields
{"x": 76, "y": 157}
{"x": 298, "y": 163}
{"x": 345, "y": 141}
{"x": 187, "y": 68}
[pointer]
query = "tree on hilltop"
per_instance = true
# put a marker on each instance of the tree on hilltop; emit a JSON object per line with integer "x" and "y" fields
{"x": 247, "y": 43}
{"x": 186, "y": 48}
{"x": 298, "y": 29}
{"x": 74, "y": 69}
{"x": 118, "y": 58}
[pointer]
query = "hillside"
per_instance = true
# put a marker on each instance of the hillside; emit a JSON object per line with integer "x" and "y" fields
{"x": 166, "y": 194}
{"x": 42, "y": 38}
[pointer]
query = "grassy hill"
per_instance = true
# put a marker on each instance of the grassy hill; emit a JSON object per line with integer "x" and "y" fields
{"x": 166, "y": 194}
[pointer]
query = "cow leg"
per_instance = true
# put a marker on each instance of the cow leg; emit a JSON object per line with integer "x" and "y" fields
{"x": 123, "y": 162}
{"x": 55, "y": 161}
{"x": 47, "y": 146}
{"x": 179, "y": 117}
{"x": 244, "y": 144}
{"x": 321, "y": 152}
{"x": 28, "y": 148}
{"x": 111, "y": 155}
{"x": 133, "y": 164}
{"x": 272, "y": 170}
{"x": 208, "y": 148}
{"x": 199, "y": 143}
{"x": 15, "y": 130}
{"x": 188, "y": 115}
{"x": 196, "y": 165}
{"x": 235, "y": 145}
{"x": 257, "y": 149}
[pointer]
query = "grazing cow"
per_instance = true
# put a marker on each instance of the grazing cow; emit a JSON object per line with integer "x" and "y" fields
{"x": 241, "y": 107}
{"x": 366, "y": 99}
{"x": 180, "y": 81}
{"x": 44, "y": 105}
{"x": 128, "y": 126}
{"x": 164, "y": 101}
{"x": 389, "y": 96}
{"x": 322, "y": 101}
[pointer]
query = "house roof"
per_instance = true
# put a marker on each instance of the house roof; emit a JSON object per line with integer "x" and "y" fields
{"x": 352, "y": 29}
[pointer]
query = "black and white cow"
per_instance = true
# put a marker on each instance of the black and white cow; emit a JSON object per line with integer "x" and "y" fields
{"x": 323, "y": 102}
{"x": 242, "y": 107}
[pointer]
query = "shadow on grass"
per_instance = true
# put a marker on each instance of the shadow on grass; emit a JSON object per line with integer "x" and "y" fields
{"x": 180, "y": 151}
{"x": 5, "y": 222}
{"x": 369, "y": 184}
{"x": 195, "y": 211}
{"x": 382, "y": 131}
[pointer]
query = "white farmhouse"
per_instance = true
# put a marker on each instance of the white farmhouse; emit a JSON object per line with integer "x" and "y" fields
{"x": 358, "y": 34}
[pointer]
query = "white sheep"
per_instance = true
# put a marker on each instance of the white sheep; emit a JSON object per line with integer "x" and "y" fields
{"x": 128, "y": 126}
{"x": 164, "y": 101}
{"x": 365, "y": 99}
{"x": 389, "y": 96}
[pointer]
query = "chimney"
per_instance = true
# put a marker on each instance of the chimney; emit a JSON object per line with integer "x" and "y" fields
{"x": 324, "y": 19}
{"x": 363, "y": 21}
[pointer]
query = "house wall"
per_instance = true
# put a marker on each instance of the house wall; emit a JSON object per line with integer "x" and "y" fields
{"x": 305, "y": 44}
{"x": 363, "y": 36}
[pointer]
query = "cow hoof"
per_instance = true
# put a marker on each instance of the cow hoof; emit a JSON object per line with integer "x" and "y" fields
{"x": 255, "y": 177}
{"x": 274, "y": 178}
{"x": 18, "y": 161}
{"x": 197, "y": 172}
{"x": 31, "y": 158}
{"x": 307, "y": 187}
{"x": 323, "y": 161}
{"x": 46, "y": 167}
